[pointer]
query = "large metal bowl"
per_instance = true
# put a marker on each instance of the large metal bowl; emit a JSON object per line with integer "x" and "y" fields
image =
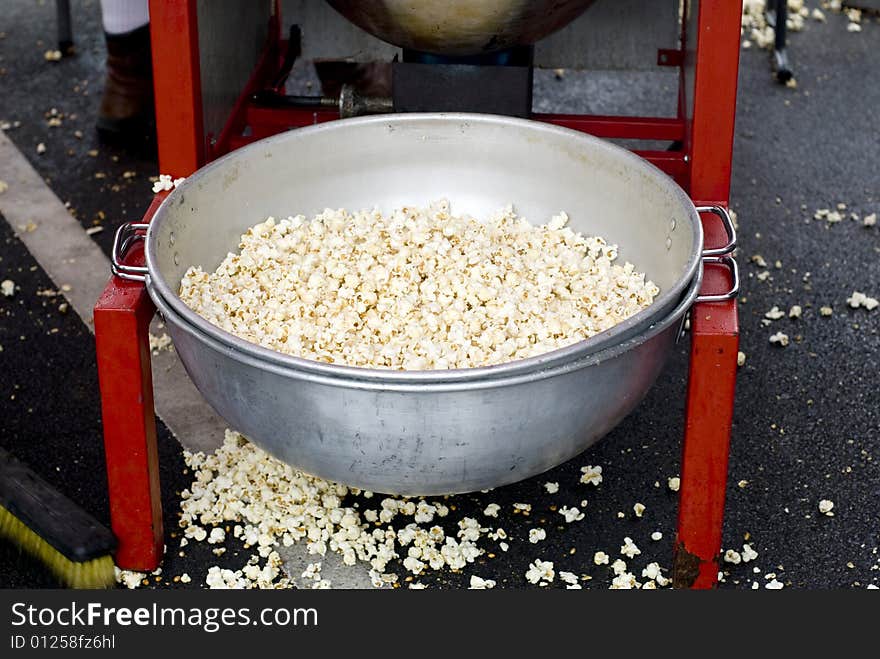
{"x": 460, "y": 27}
{"x": 429, "y": 432}
{"x": 412, "y": 438}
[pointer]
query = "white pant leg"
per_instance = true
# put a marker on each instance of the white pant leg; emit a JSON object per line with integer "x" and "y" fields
{"x": 121, "y": 16}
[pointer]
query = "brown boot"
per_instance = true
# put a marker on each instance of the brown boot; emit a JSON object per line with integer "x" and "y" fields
{"x": 127, "y": 109}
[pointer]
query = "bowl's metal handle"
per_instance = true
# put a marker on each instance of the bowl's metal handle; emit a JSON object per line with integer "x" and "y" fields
{"x": 726, "y": 220}
{"x": 126, "y": 235}
{"x": 730, "y": 262}
{"x": 721, "y": 255}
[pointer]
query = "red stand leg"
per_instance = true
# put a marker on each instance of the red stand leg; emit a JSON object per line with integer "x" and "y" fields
{"x": 712, "y": 63}
{"x": 709, "y": 412}
{"x": 122, "y": 320}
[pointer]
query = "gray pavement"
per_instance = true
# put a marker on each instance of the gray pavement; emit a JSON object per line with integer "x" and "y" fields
{"x": 806, "y": 425}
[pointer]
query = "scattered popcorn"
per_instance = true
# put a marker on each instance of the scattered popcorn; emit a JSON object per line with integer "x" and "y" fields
{"x": 780, "y": 338}
{"x": 773, "y": 585}
{"x": 196, "y": 533}
{"x": 540, "y": 572}
{"x": 7, "y": 287}
{"x": 852, "y": 27}
{"x": 618, "y": 566}
{"x": 795, "y": 311}
{"x": 571, "y": 514}
{"x": 536, "y": 535}
{"x": 624, "y": 581}
{"x": 41, "y": 148}
{"x": 478, "y": 583}
{"x": 629, "y": 548}
{"x": 491, "y": 510}
{"x": 825, "y": 312}
{"x": 4, "y": 186}
{"x": 591, "y": 475}
{"x": 759, "y": 260}
{"x": 159, "y": 343}
{"x": 656, "y": 536}
{"x": 601, "y": 558}
{"x": 870, "y": 220}
{"x": 754, "y": 22}
{"x": 639, "y": 509}
{"x": 223, "y": 579}
{"x": 818, "y": 15}
{"x": 552, "y": 488}
{"x": 748, "y": 554}
{"x": 732, "y": 556}
{"x": 52, "y": 56}
{"x": 185, "y": 578}
{"x": 858, "y": 299}
{"x": 418, "y": 289}
{"x": 270, "y": 503}
{"x": 826, "y": 507}
{"x": 523, "y": 507}
{"x": 775, "y": 313}
{"x": 568, "y": 577}
{"x": 674, "y": 483}
{"x": 740, "y": 358}
{"x": 651, "y": 571}
{"x": 216, "y": 536}
{"x": 129, "y": 579}
{"x": 830, "y": 216}
{"x": 165, "y": 182}
{"x": 312, "y": 572}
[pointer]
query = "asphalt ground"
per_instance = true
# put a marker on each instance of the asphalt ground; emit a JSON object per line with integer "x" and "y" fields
{"x": 806, "y": 426}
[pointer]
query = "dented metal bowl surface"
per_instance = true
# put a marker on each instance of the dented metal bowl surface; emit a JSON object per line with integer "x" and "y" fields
{"x": 429, "y": 432}
{"x": 460, "y": 27}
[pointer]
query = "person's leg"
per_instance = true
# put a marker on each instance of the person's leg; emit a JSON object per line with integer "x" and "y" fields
{"x": 122, "y": 16}
{"x": 127, "y": 103}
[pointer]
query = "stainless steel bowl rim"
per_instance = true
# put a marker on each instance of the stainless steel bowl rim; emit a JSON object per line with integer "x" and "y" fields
{"x": 159, "y": 288}
{"x": 440, "y": 385}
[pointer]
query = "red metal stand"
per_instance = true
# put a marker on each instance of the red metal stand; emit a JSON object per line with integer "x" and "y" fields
{"x": 122, "y": 322}
{"x": 714, "y": 326}
{"x": 701, "y": 165}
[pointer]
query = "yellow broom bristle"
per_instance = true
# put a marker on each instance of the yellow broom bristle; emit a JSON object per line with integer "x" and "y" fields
{"x": 94, "y": 573}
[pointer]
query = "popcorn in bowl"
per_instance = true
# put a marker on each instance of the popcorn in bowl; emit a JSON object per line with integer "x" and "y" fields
{"x": 419, "y": 288}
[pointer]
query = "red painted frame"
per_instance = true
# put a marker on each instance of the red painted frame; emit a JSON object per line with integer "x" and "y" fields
{"x": 122, "y": 342}
{"x": 702, "y": 166}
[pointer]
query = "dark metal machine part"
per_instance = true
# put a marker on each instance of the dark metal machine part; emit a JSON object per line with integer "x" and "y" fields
{"x": 503, "y": 90}
{"x": 492, "y": 83}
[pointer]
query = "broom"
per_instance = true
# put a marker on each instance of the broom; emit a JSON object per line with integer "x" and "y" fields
{"x": 51, "y": 527}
